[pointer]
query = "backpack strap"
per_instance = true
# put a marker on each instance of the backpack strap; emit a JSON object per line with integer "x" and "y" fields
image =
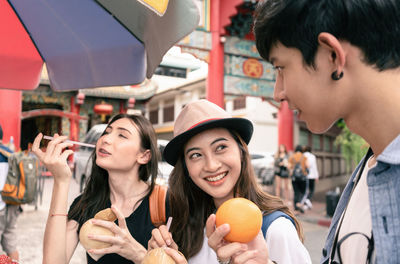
{"x": 269, "y": 218}
{"x": 157, "y": 205}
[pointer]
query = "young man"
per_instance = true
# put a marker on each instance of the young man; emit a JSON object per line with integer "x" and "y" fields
{"x": 341, "y": 59}
{"x": 8, "y": 213}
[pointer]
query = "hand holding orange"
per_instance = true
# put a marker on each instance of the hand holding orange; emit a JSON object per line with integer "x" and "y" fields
{"x": 244, "y": 218}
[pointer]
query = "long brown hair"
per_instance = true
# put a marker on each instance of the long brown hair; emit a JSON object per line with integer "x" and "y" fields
{"x": 278, "y": 152}
{"x": 96, "y": 194}
{"x": 191, "y": 206}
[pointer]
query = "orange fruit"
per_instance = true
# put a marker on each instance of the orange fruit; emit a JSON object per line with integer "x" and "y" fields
{"x": 244, "y": 218}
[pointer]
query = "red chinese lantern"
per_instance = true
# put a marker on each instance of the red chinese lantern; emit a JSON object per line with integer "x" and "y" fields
{"x": 103, "y": 109}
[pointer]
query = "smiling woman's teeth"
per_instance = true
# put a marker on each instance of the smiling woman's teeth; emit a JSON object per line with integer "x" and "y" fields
{"x": 216, "y": 178}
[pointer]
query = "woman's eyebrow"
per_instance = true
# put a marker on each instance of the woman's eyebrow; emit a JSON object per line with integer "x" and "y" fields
{"x": 191, "y": 149}
{"x": 121, "y": 128}
{"x": 212, "y": 143}
{"x": 124, "y": 129}
{"x": 218, "y": 140}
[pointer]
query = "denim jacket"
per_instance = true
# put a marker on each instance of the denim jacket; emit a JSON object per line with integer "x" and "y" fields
{"x": 384, "y": 198}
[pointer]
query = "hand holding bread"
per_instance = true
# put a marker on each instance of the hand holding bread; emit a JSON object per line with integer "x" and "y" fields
{"x": 111, "y": 238}
{"x": 157, "y": 256}
{"x": 89, "y": 228}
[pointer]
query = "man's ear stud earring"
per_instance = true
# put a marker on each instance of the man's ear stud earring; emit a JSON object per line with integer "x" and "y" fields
{"x": 335, "y": 76}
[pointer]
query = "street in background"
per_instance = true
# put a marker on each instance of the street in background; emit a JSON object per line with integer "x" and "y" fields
{"x": 263, "y": 163}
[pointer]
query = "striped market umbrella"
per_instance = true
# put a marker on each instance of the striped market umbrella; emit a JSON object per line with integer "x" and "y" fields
{"x": 88, "y": 43}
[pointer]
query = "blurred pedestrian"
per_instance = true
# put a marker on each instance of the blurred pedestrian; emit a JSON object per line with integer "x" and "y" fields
{"x": 298, "y": 172}
{"x": 282, "y": 173}
{"x": 8, "y": 213}
{"x": 11, "y": 144}
{"x": 312, "y": 176}
{"x": 341, "y": 59}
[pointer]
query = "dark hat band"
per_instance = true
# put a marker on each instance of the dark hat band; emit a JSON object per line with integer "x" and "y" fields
{"x": 242, "y": 126}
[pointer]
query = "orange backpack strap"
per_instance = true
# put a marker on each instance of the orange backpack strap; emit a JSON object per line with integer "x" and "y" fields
{"x": 157, "y": 205}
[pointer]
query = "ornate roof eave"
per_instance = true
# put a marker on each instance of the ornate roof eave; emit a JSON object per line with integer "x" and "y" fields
{"x": 228, "y": 9}
{"x": 142, "y": 91}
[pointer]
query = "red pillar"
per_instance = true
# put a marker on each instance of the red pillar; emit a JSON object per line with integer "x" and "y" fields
{"x": 10, "y": 115}
{"x": 74, "y": 123}
{"x": 215, "y": 80}
{"x": 285, "y": 126}
{"x": 74, "y": 126}
{"x": 122, "y": 108}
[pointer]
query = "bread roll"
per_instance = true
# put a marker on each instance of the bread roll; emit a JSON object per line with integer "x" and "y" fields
{"x": 157, "y": 256}
{"x": 106, "y": 214}
{"x": 88, "y": 228}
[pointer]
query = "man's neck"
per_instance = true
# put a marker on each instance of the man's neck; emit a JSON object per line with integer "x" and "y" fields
{"x": 374, "y": 113}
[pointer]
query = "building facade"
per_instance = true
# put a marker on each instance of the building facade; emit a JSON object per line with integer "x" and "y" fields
{"x": 163, "y": 108}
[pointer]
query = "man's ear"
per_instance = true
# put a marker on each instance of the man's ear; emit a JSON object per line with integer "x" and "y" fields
{"x": 144, "y": 157}
{"x": 338, "y": 55}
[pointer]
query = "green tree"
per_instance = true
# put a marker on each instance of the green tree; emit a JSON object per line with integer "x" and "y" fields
{"x": 352, "y": 146}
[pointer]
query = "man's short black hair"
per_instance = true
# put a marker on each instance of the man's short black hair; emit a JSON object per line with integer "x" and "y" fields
{"x": 298, "y": 148}
{"x": 307, "y": 148}
{"x": 371, "y": 25}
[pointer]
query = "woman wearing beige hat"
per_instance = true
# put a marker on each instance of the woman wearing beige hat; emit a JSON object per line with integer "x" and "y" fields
{"x": 212, "y": 164}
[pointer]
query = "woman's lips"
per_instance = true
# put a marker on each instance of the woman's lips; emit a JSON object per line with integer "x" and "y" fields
{"x": 103, "y": 152}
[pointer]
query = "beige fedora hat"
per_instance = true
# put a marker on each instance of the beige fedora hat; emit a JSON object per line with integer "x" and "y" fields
{"x": 198, "y": 116}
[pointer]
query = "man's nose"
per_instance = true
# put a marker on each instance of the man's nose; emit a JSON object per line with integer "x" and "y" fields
{"x": 278, "y": 91}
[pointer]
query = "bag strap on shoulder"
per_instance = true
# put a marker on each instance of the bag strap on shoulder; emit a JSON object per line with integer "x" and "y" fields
{"x": 157, "y": 205}
{"x": 269, "y": 218}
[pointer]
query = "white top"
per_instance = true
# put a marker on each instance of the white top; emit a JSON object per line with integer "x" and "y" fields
{"x": 283, "y": 244}
{"x": 357, "y": 218}
{"x": 312, "y": 165}
{"x": 3, "y": 177}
